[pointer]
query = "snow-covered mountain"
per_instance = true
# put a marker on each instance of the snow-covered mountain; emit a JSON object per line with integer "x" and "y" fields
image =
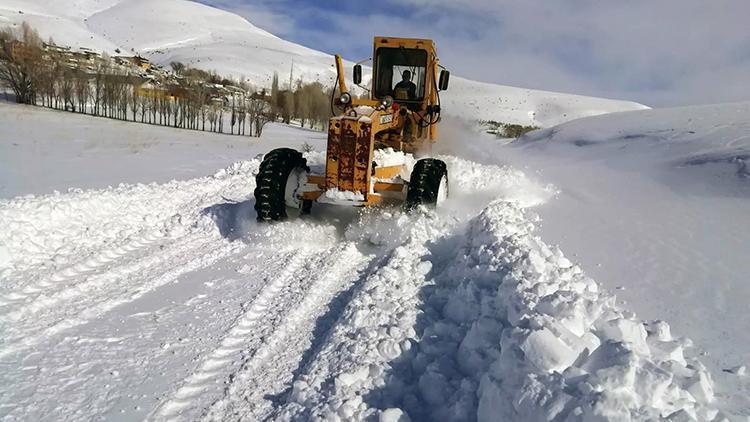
{"x": 213, "y": 39}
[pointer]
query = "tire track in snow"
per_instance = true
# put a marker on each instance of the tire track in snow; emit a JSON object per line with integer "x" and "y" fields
{"x": 217, "y": 366}
{"x": 270, "y": 368}
{"x": 287, "y": 307}
{"x": 62, "y": 228}
{"x": 113, "y": 288}
{"x": 92, "y": 263}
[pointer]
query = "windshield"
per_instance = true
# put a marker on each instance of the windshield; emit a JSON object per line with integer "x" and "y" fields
{"x": 400, "y": 73}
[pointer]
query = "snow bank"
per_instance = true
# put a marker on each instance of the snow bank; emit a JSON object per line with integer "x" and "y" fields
{"x": 492, "y": 324}
{"x": 654, "y": 204}
{"x": 567, "y": 351}
{"x": 72, "y": 239}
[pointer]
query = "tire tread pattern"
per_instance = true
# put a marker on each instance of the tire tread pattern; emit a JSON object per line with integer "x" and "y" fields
{"x": 424, "y": 183}
{"x": 270, "y": 182}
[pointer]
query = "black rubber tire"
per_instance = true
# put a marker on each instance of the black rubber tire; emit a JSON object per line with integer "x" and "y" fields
{"x": 424, "y": 183}
{"x": 270, "y": 183}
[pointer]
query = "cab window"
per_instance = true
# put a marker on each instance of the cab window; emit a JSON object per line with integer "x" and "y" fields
{"x": 400, "y": 73}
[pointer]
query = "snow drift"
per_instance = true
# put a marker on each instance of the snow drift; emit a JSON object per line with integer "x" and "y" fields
{"x": 492, "y": 324}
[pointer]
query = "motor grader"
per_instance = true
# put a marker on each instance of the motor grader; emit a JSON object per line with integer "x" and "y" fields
{"x": 397, "y": 119}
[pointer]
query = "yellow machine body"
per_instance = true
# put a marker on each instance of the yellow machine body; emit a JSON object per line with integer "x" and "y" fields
{"x": 388, "y": 118}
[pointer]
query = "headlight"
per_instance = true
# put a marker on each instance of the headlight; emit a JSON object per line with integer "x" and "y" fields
{"x": 345, "y": 98}
{"x": 387, "y": 101}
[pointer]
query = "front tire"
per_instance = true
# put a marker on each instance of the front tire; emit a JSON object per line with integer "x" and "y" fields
{"x": 280, "y": 169}
{"x": 428, "y": 184}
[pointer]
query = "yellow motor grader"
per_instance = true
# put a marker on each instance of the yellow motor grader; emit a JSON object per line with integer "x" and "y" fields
{"x": 398, "y": 120}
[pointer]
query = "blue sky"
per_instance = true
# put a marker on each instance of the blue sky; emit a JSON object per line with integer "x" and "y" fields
{"x": 663, "y": 52}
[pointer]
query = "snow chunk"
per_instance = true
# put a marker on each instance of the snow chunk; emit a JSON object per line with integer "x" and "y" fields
{"x": 349, "y": 378}
{"x": 393, "y": 415}
{"x": 5, "y": 258}
{"x": 626, "y": 330}
{"x": 701, "y": 387}
{"x": 547, "y": 352}
{"x": 740, "y": 370}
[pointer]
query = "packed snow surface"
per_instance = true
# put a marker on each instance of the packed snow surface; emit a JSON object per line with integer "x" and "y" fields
{"x": 168, "y": 301}
{"x": 212, "y": 39}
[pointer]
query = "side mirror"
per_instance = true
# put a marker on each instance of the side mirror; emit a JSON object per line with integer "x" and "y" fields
{"x": 444, "y": 78}
{"x": 357, "y": 74}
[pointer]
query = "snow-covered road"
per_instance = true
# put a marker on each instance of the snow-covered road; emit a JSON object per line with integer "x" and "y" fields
{"x": 169, "y": 302}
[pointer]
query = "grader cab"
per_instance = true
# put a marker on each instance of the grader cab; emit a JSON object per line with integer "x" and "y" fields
{"x": 372, "y": 142}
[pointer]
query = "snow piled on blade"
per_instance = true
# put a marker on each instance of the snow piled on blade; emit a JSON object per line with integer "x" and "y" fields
{"x": 489, "y": 323}
{"x": 341, "y": 195}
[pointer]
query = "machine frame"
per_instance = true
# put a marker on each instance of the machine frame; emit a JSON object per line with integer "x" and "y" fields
{"x": 368, "y": 124}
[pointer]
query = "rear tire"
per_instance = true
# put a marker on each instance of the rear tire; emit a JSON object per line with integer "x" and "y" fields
{"x": 271, "y": 182}
{"x": 428, "y": 184}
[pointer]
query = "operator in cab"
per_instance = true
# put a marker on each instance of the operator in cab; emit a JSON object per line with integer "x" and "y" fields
{"x": 406, "y": 89}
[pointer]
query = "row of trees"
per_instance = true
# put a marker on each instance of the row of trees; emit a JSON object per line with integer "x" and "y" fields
{"x": 50, "y": 76}
{"x": 307, "y": 103}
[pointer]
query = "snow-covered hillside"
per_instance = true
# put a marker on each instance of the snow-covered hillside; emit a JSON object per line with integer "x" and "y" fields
{"x": 167, "y": 301}
{"x": 212, "y": 39}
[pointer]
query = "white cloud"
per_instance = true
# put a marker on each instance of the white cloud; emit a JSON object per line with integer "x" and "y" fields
{"x": 659, "y": 52}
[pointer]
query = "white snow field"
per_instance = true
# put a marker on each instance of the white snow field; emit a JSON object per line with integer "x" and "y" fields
{"x": 43, "y": 150}
{"x": 213, "y": 39}
{"x": 167, "y": 301}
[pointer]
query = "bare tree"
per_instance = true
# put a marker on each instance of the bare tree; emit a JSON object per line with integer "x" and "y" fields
{"x": 177, "y": 67}
{"x": 97, "y": 88}
{"x": 133, "y": 99}
{"x": 213, "y": 116}
{"x": 20, "y": 54}
{"x": 81, "y": 87}
{"x": 260, "y": 111}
